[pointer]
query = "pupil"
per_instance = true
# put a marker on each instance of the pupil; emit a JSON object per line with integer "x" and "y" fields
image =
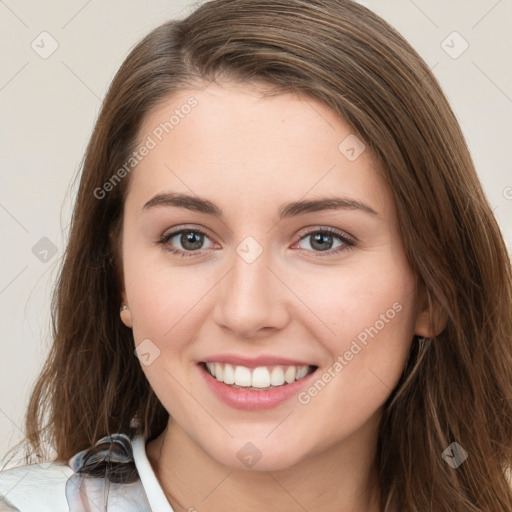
{"x": 321, "y": 239}
{"x": 189, "y": 237}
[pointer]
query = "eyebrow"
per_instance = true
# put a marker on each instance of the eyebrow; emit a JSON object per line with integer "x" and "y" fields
{"x": 286, "y": 210}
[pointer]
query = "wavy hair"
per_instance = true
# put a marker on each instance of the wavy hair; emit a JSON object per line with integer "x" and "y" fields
{"x": 456, "y": 387}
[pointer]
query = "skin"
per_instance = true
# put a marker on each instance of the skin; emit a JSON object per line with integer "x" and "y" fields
{"x": 249, "y": 155}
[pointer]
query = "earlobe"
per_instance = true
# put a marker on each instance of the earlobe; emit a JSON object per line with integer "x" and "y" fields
{"x": 431, "y": 319}
{"x": 115, "y": 247}
{"x": 126, "y": 316}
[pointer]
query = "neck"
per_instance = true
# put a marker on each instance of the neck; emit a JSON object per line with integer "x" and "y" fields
{"x": 340, "y": 479}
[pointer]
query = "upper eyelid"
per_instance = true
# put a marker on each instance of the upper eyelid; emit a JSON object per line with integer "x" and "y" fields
{"x": 332, "y": 231}
{"x": 347, "y": 241}
{"x": 303, "y": 233}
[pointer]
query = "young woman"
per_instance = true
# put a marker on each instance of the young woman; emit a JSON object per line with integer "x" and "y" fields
{"x": 284, "y": 289}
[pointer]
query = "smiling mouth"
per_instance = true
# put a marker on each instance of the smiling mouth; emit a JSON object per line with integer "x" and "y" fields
{"x": 261, "y": 378}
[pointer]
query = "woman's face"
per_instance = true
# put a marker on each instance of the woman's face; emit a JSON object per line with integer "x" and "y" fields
{"x": 309, "y": 328}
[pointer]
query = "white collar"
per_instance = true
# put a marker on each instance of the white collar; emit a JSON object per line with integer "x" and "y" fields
{"x": 154, "y": 492}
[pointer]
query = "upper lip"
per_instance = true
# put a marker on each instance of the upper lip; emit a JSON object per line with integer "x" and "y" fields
{"x": 255, "y": 361}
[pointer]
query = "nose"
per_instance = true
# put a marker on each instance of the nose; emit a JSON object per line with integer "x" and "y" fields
{"x": 252, "y": 299}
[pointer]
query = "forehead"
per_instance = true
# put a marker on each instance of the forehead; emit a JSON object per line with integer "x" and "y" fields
{"x": 230, "y": 139}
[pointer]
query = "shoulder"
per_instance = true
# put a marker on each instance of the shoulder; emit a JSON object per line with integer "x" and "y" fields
{"x": 34, "y": 487}
{"x": 56, "y": 487}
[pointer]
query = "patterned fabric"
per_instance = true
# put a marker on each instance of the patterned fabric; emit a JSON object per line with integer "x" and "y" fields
{"x": 81, "y": 460}
{"x": 95, "y": 495}
{"x": 85, "y": 493}
{"x": 87, "y": 482}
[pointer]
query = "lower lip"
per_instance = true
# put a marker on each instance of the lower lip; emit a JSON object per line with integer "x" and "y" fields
{"x": 253, "y": 400}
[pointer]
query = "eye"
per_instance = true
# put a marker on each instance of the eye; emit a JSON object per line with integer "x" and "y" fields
{"x": 322, "y": 241}
{"x": 190, "y": 239}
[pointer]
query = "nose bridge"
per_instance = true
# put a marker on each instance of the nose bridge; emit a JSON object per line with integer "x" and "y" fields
{"x": 250, "y": 295}
{"x": 250, "y": 272}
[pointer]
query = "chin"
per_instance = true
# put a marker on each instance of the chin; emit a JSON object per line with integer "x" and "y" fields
{"x": 257, "y": 454}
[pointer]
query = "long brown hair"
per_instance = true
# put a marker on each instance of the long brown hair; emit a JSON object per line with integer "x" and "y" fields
{"x": 455, "y": 388}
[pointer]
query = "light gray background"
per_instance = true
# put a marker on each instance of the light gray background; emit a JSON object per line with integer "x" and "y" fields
{"x": 48, "y": 108}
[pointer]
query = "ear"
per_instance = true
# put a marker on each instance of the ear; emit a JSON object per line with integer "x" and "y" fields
{"x": 126, "y": 316}
{"x": 125, "y": 313}
{"x": 431, "y": 318}
{"x": 115, "y": 247}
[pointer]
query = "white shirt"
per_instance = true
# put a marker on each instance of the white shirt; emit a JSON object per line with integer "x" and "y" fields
{"x": 55, "y": 487}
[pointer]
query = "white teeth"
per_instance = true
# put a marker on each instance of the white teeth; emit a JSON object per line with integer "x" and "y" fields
{"x": 302, "y": 371}
{"x": 289, "y": 374}
{"x": 229, "y": 374}
{"x": 242, "y": 376}
{"x": 277, "y": 376}
{"x": 259, "y": 378}
{"x": 219, "y": 372}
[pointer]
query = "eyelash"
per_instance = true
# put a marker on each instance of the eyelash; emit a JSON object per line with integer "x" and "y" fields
{"x": 348, "y": 243}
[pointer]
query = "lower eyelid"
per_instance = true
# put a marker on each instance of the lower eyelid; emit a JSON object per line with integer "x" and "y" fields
{"x": 165, "y": 239}
{"x": 345, "y": 245}
{"x": 347, "y": 242}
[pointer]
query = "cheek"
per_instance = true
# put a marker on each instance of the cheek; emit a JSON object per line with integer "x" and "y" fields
{"x": 161, "y": 296}
{"x": 367, "y": 325}
{"x": 372, "y": 297}
{"x": 374, "y": 325}
{"x": 167, "y": 310}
